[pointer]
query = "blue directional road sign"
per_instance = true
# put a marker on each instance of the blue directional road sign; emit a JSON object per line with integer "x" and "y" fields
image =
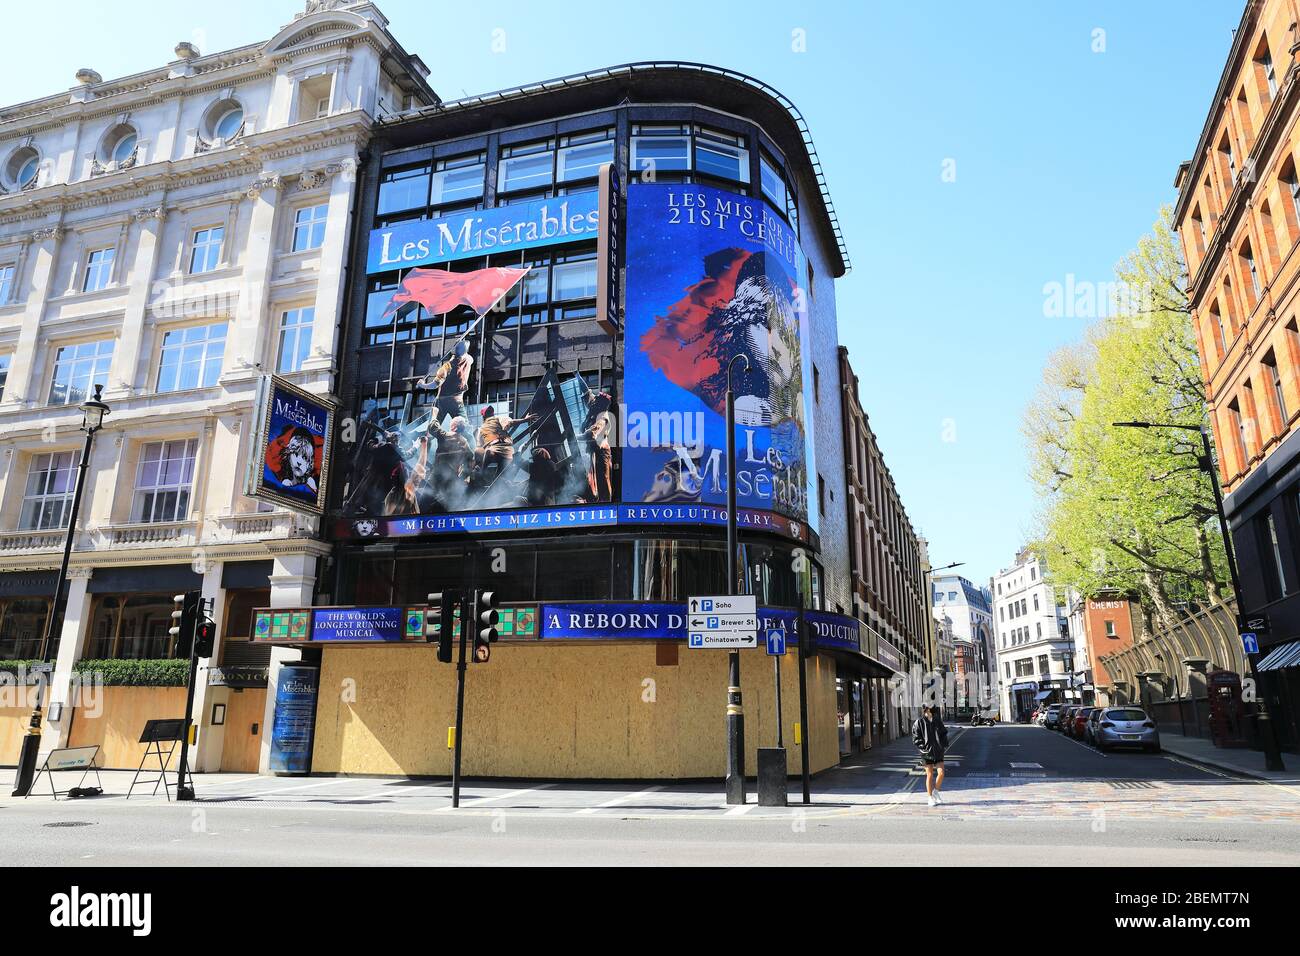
{"x": 729, "y": 621}
{"x": 775, "y": 642}
{"x": 1249, "y": 642}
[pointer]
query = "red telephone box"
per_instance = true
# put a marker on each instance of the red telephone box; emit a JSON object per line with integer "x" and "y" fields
{"x": 1227, "y": 712}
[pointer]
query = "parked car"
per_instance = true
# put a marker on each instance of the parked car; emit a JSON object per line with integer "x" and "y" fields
{"x": 1126, "y": 727}
{"x": 1079, "y": 724}
{"x": 1052, "y": 715}
{"x": 1090, "y": 728}
{"x": 1063, "y": 718}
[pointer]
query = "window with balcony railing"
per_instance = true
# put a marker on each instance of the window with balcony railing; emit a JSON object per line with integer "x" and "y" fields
{"x": 163, "y": 481}
{"x": 47, "y": 499}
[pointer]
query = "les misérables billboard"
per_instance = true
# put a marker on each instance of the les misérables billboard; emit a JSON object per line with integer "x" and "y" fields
{"x": 709, "y": 275}
{"x": 712, "y": 275}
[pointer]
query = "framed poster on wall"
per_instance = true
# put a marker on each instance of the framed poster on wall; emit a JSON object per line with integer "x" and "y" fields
{"x": 289, "y": 461}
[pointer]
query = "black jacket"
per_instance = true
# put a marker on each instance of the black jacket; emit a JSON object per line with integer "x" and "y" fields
{"x": 930, "y": 736}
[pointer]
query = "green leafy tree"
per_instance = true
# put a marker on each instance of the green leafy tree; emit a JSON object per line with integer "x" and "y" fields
{"x": 1129, "y": 508}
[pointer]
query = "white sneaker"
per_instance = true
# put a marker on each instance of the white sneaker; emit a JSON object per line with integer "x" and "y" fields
{"x": 933, "y": 802}
{"x": 937, "y": 798}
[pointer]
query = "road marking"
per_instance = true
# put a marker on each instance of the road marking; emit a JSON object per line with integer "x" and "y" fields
{"x": 1200, "y": 767}
{"x": 1091, "y": 750}
{"x": 1026, "y": 766}
{"x": 399, "y": 793}
{"x": 305, "y": 786}
{"x": 478, "y": 801}
{"x": 620, "y": 799}
{"x": 739, "y": 811}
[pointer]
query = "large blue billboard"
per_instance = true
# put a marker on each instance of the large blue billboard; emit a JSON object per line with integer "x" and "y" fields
{"x": 712, "y": 275}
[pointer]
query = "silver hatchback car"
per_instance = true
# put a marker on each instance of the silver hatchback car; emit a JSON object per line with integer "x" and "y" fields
{"x": 1124, "y": 727}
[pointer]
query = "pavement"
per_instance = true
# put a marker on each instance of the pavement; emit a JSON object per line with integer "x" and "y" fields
{"x": 1238, "y": 760}
{"x": 1014, "y": 794}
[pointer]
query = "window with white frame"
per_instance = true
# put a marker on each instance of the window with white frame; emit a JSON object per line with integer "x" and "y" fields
{"x": 191, "y": 357}
{"x": 722, "y": 155}
{"x": 99, "y": 269}
{"x": 205, "y": 256}
{"x": 582, "y": 154}
{"x": 674, "y": 150}
{"x": 771, "y": 182}
{"x": 309, "y": 227}
{"x": 295, "y": 338}
{"x": 457, "y": 179}
{"x": 526, "y": 166}
{"x": 6, "y": 284}
{"x": 163, "y": 481}
{"x": 4, "y": 371}
{"x": 77, "y": 368}
{"x": 47, "y": 499}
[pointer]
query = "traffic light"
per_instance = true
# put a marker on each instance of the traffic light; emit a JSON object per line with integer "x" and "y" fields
{"x": 441, "y": 615}
{"x": 485, "y": 621}
{"x": 205, "y": 637}
{"x": 186, "y": 616}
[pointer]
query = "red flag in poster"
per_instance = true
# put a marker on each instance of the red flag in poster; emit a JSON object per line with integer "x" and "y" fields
{"x": 441, "y": 291}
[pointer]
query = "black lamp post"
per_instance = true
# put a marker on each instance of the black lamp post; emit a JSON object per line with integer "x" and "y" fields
{"x": 735, "y": 711}
{"x": 1272, "y": 753}
{"x": 93, "y": 411}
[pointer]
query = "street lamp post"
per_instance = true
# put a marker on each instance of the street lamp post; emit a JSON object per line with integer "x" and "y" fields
{"x": 93, "y": 411}
{"x": 1272, "y": 753}
{"x": 735, "y": 710}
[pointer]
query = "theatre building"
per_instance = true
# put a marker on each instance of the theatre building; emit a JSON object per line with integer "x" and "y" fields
{"x": 548, "y": 287}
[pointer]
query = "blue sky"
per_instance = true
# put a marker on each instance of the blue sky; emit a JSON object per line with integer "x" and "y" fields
{"x": 1062, "y": 158}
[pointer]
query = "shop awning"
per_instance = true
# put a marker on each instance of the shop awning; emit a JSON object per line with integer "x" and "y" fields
{"x": 1043, "y": 695}
{"x": 1285, "y": 655}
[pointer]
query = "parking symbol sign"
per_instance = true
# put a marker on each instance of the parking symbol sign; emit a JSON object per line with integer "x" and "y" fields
{"x": 706, "y": 605}
{"x": 697, "y": 640}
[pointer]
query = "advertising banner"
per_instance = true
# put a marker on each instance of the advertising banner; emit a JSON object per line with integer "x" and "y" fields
{"x": 290, "y": 458}
{"x": 359, "y": 624}
{"x": 480, "y": 232}
{"x": 438, "y": 456}
{"x": 580, "y": 620}
{"x": 293, "y": 726}
{"x": 834, "y": 630}
{"x": 553, "y": 519}
{"x": 712, "y": 276}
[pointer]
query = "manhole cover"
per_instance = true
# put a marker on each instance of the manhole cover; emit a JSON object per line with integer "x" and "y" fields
{"x": 70, "y": 823}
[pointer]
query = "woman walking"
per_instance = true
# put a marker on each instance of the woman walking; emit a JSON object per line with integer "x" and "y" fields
{"x": 931, "y": 738}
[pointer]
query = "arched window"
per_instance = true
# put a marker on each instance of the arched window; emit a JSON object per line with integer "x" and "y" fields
{"x": 118, "y": 148}
{"x": 23, "y": 166}
{"x": 121, "y": 144}
{"x": 224, "y": 122}
{"x": 229, "y": 123}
